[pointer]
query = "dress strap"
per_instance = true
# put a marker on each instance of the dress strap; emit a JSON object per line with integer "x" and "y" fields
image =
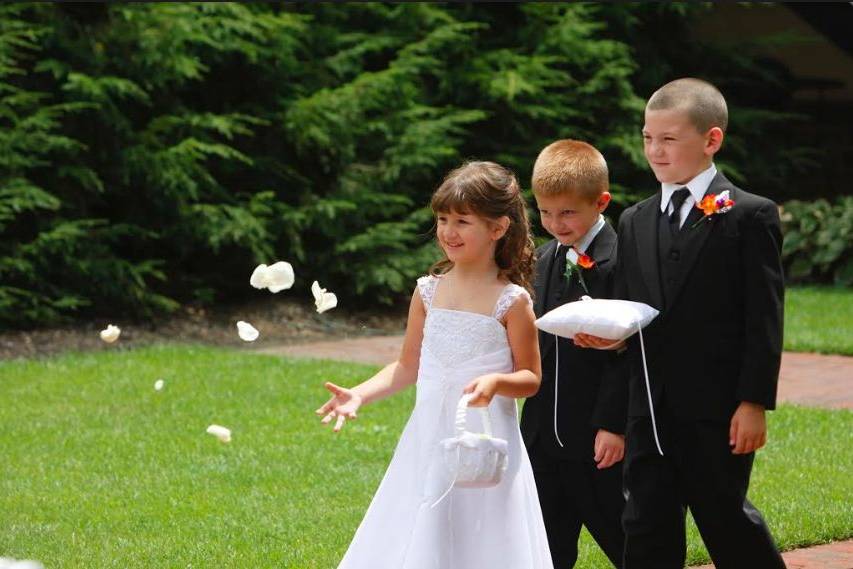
{"x": 510, "y": 294}
{"x": 426, "y": 287}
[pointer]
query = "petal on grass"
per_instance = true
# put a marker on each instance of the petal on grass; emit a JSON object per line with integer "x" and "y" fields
{"x": 247, "y": 332}
{"x": 110, "y": 334}
{"x": 220, "y": 432}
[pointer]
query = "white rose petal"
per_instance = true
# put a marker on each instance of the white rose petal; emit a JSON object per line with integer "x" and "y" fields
{"x": 7, "y": 563}
{"x": 323, "y": 300}
{"x": 276, "y": 277}
{"x": 110, "y": 334}
{"x": 280, "y": 276}
{"x": 260, "y": 277}
{"x": 220, "y": 432}
{"x": 247, "y": 332}
{"x": 27, "y": 564}
{"x": 158, "y": 385}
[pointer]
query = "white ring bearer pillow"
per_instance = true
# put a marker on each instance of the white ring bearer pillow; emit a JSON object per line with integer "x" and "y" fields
{"x": 612, "y": 319}
{"x": 602, "y": 317}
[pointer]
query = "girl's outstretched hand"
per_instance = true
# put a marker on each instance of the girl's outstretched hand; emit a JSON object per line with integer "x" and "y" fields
{"x": 483, "y": 389}
{"x": 343, "y": 404}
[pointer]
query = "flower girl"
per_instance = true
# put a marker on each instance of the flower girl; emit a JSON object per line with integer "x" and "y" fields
{"x": 470, "y": 331}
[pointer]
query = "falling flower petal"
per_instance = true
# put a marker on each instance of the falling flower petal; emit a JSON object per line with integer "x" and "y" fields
{"x": 220, "y": 432}
{"x": 280, "y": 276}
{"x": 323, "y": 300}
{"x": 247, "y": 332}
{"x": 110, "y": 334}
{"x": 276, "y": 277}
{"x": 158, "y": 385}
{"x": 260, "y": 277}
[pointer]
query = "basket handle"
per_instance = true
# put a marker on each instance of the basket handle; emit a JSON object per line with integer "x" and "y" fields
{"x": 462, "y": 415}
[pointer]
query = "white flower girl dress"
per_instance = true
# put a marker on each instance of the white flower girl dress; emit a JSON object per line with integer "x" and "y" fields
{"x": 470, "y": 528}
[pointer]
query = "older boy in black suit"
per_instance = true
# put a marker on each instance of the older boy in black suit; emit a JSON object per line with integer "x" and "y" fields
{"x": 707, "y": 254}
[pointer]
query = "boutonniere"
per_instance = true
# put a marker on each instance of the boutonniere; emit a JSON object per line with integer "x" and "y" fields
{"x": 577, "y": 263}
{"x": 714, "y": 204}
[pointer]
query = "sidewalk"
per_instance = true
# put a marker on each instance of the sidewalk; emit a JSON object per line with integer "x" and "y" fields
{"x": 838, "y": 555}
{"x": 805, "y": 379}
{"x": 813, "y": 380}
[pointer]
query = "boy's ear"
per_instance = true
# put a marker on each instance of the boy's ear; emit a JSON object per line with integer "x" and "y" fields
{"x": 603, "y": 201}
{"x": 714, "y": 140}
{"x": 500, "y": 227}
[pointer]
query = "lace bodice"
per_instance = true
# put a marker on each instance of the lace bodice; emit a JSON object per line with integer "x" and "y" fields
{"x": 457, "y": 336}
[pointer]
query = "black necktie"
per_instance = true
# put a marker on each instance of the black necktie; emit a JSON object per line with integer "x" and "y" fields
{"x": 555, "y": 282}
{"x": 677, "y": 201}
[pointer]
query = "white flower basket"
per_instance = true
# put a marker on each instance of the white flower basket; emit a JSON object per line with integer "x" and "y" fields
{"x": 474, "y": 460}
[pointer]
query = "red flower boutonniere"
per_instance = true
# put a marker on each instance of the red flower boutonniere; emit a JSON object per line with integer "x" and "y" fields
{"x": 713, "y": 204}
{"x": 577, "y": 263}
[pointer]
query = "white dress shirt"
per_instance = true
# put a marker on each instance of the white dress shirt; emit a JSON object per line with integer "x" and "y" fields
{"x": 697, "y": 187}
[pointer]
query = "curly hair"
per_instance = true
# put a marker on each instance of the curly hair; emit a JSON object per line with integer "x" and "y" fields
{"x": 490, "y": 191}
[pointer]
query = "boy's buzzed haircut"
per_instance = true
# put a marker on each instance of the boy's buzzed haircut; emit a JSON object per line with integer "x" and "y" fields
{"x": 570, "y": 166}
{"x": 705, "y": 105}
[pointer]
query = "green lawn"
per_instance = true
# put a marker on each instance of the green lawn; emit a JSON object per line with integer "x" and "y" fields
{"x": 819, "y": 319}
{"x": 102, "y": 471}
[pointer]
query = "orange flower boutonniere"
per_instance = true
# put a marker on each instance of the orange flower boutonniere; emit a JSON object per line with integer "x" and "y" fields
{"x": 577, "y": 263}
{"x": 713, "y": 204}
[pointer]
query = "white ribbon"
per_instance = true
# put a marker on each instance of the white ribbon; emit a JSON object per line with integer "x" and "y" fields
{"x": 645, "y": 373}
{"x": 649, "y": 390}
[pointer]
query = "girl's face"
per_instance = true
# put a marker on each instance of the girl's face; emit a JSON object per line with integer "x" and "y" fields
{"x": 468, "y": 238}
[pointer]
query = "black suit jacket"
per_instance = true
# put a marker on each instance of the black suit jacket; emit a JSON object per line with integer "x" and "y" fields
{"x": 718, "y": 338}
{"x": 592, "y": 394}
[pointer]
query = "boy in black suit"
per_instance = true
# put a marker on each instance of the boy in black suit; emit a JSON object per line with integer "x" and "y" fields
{"x": 576, "y": 445}
{"x": 707, "y": 255}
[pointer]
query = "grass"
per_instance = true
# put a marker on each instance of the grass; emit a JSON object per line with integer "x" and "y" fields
{"x": 819, "y": 319}
{"x": 102, "y": 471}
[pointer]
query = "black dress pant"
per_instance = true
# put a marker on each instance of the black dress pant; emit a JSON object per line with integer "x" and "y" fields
{"x": 575, "y": 493}
{"x": 698, "y": 471}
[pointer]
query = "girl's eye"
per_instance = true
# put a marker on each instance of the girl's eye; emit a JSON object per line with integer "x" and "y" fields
{"x": 463, "y": 221}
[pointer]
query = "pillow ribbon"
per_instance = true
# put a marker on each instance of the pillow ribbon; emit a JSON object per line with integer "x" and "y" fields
{"x": 645, "y": 373}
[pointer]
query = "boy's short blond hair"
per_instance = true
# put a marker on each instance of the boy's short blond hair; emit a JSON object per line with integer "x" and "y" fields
{"x": 705, "y": 105}
{"x": 570, "y": 167}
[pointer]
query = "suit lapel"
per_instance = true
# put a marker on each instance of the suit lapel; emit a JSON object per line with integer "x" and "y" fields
{"x": 646, "y": 237}
{"x": 540, "y": 286}
{"x": 540, "y": 281}
{"x": 600, "y": 250}
{"x": 695, "y": 236}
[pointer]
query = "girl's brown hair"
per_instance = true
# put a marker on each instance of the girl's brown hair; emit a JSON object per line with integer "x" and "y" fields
{"x": 490, "y": 191}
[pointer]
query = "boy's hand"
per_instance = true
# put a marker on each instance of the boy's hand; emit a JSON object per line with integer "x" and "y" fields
{"x": 748, "y": 429}
{"x": 609, "y": 448}
{"x": 344, "y": 404}
{"x": 589, "y": 341}
{"x": 483, "y": 389}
